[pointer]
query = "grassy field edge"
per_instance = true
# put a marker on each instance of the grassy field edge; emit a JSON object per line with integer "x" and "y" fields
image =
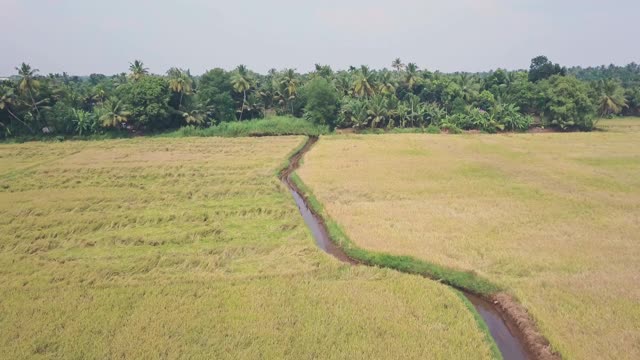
{"x": 458, "y": 279}
{"x": 406, "y": 264}
{"x": 495, "y": 351}
{"x": 287, "y": 162}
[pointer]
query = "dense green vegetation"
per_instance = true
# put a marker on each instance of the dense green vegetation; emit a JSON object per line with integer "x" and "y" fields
{"x": 273, "y": 126}
{"x": 404, "y": 97}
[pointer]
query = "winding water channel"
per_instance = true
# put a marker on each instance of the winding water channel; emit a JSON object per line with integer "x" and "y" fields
{"x": 505, "y": 334}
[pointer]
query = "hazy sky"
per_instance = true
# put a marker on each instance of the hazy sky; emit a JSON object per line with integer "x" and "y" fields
{"x": 86, "y": 36}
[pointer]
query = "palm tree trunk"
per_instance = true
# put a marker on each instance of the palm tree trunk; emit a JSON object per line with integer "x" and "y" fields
{"x": 244, "y": 99}
{"x": 23, "y": 123}
{"x": 34, "y": 102}
{"x": 180, "y": 102}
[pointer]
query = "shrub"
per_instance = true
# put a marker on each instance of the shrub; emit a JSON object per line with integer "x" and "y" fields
{"x": 432, "y": 129}
{"x": 279, "y": 125}
{"x": 85, "y": 122}
{"x": 60, "y": 118}
{"x": 434, "y": 113}
{"x": 147, "y": 99}
{"x": 486, "y": 101}
{"x": 567, "y": 104}
{"x": 477, "y": 119}
{"x": 322, "y": 103}
{"x": 450, "y": 127}
{"x": 214, "y": 93}
{"x": 459, "y": 120}
{"x": 510, "y": 117}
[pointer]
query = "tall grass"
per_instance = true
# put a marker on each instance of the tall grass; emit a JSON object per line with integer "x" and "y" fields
{"x": 273, "y": 126}
{"x": 192, "y": 248}
{"x": 549, "y": 218}
{"x": 407, "y": 264}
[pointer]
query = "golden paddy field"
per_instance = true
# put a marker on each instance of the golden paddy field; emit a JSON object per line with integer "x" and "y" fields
{"x": 554, "y": 219}
{"x": 192, "y": 248}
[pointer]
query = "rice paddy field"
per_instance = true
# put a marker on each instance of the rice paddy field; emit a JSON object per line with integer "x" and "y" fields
{"x": 192, "y": 248}
{"x": 552, "y": 218}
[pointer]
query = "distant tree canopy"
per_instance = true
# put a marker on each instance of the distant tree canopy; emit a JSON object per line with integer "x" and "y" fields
{"x": 32, "y": 104}
{"x": 566, "y": 103}
{"x": 147, "y": 99}
{"x": 322, "y": 102}
{"x": 215, "y": 95}
{"x": 541, "y": 68}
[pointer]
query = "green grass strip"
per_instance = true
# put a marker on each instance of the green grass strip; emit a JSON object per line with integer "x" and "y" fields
{"x": 407, "y": 264}
{"x": 286, "y": 163}
{"x": 495, "y": 351}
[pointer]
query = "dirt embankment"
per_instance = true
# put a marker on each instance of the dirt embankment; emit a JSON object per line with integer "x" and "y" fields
{"x": 537, "y": 345}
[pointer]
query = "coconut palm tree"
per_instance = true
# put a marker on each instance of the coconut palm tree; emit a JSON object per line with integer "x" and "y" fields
{"x": 241, "y": 82}
{"x": 254, "y": 105}
{"x": 114, "y": 114}
{"x": 180, "y": 82}
{"x": 99, "y": 94}
{"x": 194, "y": 116}
{"x": 354, "y": 112}
{"x": 324, "y": 71}
{"x": 411, "y": 76}
{"x": 361, "y": 115}
{"x": 137, "y": 70}
{"x": 28, "y": 83}
{"x": 386, "y": 85}
{"x": 415, "y": 110}
{"x": 468, "y": 86}
{"x": 397, "y": 64}
{"x": 612, "y": 99}
{"x": 7, "y": 100}
{"x": 119, "y": 79}
{"x": 377, "y": 110}
{"x": 364, "y": 84}
{"x": 344, "y": 84}
{"x": 280, "y": 96}
{"x": 290, "y": 82}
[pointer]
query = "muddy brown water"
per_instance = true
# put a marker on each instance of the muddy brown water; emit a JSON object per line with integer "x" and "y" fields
{"x": 505, "y": 334}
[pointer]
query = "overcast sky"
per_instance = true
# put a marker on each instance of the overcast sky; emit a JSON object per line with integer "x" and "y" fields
{"x": 87, "y": 36}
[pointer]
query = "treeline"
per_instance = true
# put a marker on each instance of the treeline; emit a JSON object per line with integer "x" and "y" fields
{"x": 404, "y": 96}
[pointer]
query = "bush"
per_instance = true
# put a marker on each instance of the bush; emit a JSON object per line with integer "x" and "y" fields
{"x": 279, "y": 125}
{"x": 486, "y": 101}
{"x": 510, "y": 117}
{"x": 434, "y": 113}
{"x": 322, "y": 103}
{"x": 459, "y": 120}
{"x": 214, "y": 93}
{"x": 567, "y": 104}
{"x": 432, "y": 129}
{"x": 147, "y": 99}
{"x": 60, "y": 118}
{"x": 450, "y": 127}
{"x": 475, "y": 119}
